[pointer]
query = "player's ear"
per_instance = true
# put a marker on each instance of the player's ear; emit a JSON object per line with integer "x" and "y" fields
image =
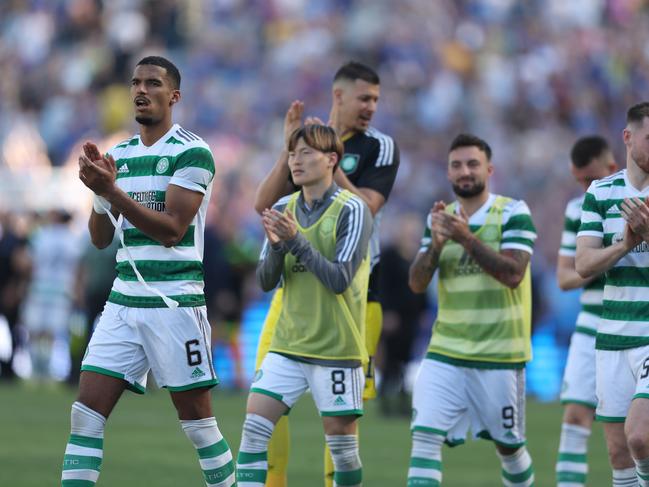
{"x": 175, "y": 97}
{"x": 333, "y": 160}
{"x": 337, "y": 95}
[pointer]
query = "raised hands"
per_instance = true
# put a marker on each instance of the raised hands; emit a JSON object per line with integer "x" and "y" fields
{"x": 293, "y": 119}
{"x": 278, "y": 226}
{"x": 437, "y": 234}
{"x": 636, "y": 214}
{"x": 449, "y": 226}
{"x": 97, "y": 172}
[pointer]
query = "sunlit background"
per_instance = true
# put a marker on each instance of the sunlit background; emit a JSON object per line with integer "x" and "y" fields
{"x": 529, "y": 77}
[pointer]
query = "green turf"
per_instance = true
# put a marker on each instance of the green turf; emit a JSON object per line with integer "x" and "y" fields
{"x": 145, "y": 446}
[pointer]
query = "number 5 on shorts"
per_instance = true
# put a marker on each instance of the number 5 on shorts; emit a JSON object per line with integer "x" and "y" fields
{"x": 193, "y": 356}
{"x": 645, "y": 368}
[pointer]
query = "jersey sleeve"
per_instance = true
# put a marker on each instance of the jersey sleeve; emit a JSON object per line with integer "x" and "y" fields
{"x": 571, "y": 224}
{"x": 427, "y": 238}
{"x": 519, "y": 232}
{"x": 382, "y": 172}
{"x": 591, "y": 217}
{"x": 194, "y": 169}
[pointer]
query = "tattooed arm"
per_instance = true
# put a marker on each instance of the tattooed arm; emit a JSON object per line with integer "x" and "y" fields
{"x": 425, "y": 263}
{"x": 422, "y": 269}
{"x": 507, "y": 266}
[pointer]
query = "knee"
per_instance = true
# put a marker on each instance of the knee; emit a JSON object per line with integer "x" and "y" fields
{"x": 340, "y": 425}
{"x": 507, "y": 451}
{"x": 193, "y": 404}
{"x": 340, "y": 429}
{"x": 581, "y": 416}
{"x": 638, "y": 443}
{"x": 618, "y": 456}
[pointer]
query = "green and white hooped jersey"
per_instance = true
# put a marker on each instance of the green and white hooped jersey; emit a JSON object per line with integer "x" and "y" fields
{"x": 481, "y": 322}
{"x": 593, "y": 292}
{"x": 625, "y": 319}
{"x": 183, "y": 159}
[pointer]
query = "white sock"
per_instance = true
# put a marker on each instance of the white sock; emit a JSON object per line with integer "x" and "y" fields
{"x": 517, "y": 469}
{"x": 425, "y": 459}
{"x": 213, "y": 451}
{"x": 572, "y": 464}
{"x": 252, "y": 461}
{"x": 85, "y": 449}
{"x": 625, "y": 477}
{"x": 642, "y": 470}
{"x": 348, "y": 470}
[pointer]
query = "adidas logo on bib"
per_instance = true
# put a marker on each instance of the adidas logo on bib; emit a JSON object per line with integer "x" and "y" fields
{"x": 123, "y": 169}
{"x": 340, "y": 401}
{"x": 197, "y": 373}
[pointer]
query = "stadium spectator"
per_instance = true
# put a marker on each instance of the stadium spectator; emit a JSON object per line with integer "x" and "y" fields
{"x": 15, "y": 266}
{"x": 48, "y": 305}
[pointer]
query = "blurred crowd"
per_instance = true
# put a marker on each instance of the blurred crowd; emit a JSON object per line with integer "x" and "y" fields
{"x": 529, "y": 77}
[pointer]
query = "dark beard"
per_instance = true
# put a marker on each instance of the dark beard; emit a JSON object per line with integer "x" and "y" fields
{"x": 470, "y": 192}
{"x": 145, "y": 120}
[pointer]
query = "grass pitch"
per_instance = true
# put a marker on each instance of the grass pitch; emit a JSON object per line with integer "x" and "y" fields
{"x": 145, "y": 446}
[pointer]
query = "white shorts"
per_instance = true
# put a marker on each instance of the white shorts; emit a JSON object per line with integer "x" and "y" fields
{"x": 175, "y": 344}
{"x": 621, "y": 376}
{"x": 579, "y": 377}
{"x": 337, "y": 391}
{"x": 449, "y": 400}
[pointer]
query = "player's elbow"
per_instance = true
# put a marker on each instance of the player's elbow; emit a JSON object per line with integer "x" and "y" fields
{"x": 266, "y": 284}
{"x": 338, "y": 284}
{"x": 170, "y": 241}
{"x": 172, "y": 238}
{"x": 582, "y": 268}
{"x": 564, "y": 281}
{"x": 512, "y": 281}
{"x": 339, "y": 288}
{"x": 259, "y": 206}
{"x": 415, "y": 283}
{"x": 99, "y": 242}
{"x": 416, "y": 286}
{"x": 262, "y": 201}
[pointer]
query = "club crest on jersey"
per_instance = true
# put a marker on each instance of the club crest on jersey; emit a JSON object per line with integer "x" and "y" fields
{"x": 349, "y": 162}
{"x": 162, "y": 166}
